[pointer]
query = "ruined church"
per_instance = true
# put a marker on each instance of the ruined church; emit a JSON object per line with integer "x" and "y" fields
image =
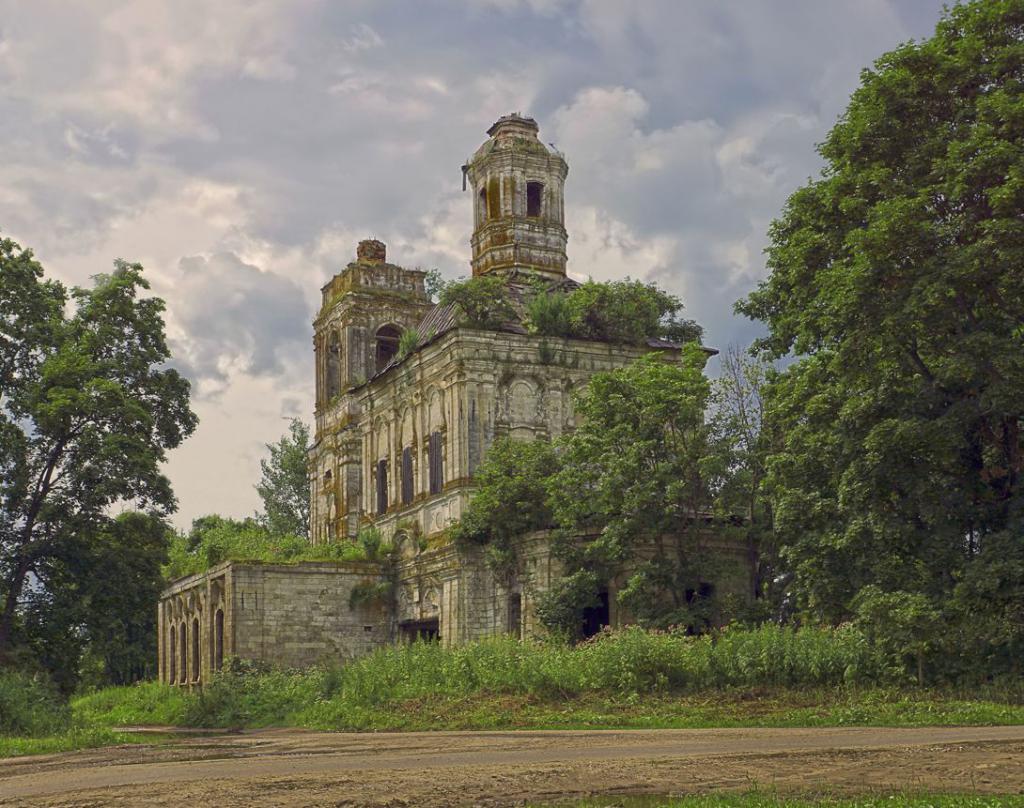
{"x": 399, "y": 434}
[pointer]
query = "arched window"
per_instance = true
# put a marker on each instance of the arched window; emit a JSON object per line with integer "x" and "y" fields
{"x": 195, "y": 649}
{"x": 534, "y": 198}
{"x": 182, "y": 648}
{"x": 483, "y": 204}
{"x": 387, "y": 345}
{"x": 172, "y": 673}
{"x": 218, "y": 639}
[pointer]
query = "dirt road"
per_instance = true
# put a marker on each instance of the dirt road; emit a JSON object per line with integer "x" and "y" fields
{"x": 295, "y": 768}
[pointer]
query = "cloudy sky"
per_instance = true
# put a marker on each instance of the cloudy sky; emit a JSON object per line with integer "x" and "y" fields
{"x": 240, "y": 149}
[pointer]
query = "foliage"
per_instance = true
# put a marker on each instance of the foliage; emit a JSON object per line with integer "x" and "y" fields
{"x": 88, "y": 411}
{"x": 30, "y": 705}
{"x": 895, "y": 280}
{"x": 624, "y": 311}
{"x": 214, "y": 539}
{"x": 771, "y": 676}
{"x": 641, "y": 469}
{"x": 407, "y": 342}
{"x": 509, "y": 499}
{"x": 284, "y": 486}
{"x": 95, "y": 622}
{"x": 737, "y": 418}
{"x": 547, "y": 313}
{"x": 900, "y": 624}
{"x": 480, "y": 302}
{"x": 434, "y": 284}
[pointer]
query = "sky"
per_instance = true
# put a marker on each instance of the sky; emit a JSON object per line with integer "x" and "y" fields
{"x": 239, "y": 150}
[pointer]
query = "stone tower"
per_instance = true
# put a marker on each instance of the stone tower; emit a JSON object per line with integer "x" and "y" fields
{"x": 518, "y": 202}
{"x": 366, "y": 308}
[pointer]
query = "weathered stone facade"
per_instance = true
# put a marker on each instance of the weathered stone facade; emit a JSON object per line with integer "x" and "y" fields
{"x": 398, "y": 439}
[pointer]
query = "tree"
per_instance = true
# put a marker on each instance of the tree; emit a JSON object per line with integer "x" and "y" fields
{"x": 627, "y": 311}
{"x": 896, "y": 282}
{"x": 641, "y": 470}
{"x": 509, "y": 499}
{"x": 88, "y": 410}
{"x": 480, "y": 302}
{"x": 95, "y": 614}
{"x": 738, "y": 419}
{"x": 284, "y": 486}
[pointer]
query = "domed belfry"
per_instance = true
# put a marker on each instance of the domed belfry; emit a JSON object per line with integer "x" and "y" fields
{"x": 518, "y": 202}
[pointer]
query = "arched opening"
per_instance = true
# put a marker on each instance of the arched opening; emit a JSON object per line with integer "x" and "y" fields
{"x": 387, "y": 345}
{"x": 483, "y": 204}
{"x": 218, "y": 639}
{"x": 172, "y": 674}
{"x": 195, "y": 649}
{"x": 182, "y": 649}
{"x": 534, "y": 197}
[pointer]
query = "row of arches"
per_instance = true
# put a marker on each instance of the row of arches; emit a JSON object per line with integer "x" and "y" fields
{"x": 530, "y": 203}
{"x": 184, "y": 649}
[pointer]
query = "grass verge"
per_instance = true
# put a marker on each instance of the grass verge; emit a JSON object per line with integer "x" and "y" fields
{"x": 760, "y": 800}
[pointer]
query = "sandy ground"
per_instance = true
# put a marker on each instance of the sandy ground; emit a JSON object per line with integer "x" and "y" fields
{"x": 296, "y": 768}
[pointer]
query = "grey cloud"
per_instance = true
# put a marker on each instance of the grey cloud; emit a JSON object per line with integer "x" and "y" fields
{"x": 235, "y": 318}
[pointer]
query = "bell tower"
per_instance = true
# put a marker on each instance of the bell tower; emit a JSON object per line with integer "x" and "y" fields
{"x": 518, "y": 202}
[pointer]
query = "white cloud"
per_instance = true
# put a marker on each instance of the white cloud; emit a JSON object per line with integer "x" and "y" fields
{"x": 240, "y": 149}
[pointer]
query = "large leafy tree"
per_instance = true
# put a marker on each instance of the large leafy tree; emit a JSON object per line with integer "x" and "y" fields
{"x": 897, "y": 281}
{"x": 639, "y": 475}
{"x": 284, "y": 484}
{"x": 92, "y": 611}
{"x": 88, "y": 410}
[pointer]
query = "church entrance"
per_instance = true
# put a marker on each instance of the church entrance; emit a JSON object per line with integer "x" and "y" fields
{"x": 596, "y": 617}
{"x": 425, "y": 630}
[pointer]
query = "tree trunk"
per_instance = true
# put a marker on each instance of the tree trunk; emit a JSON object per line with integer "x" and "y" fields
{"x": 14, "y": 587}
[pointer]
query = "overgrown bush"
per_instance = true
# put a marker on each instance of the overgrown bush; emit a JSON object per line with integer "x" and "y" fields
{"x": 480, "y": 302}
{"x": 407, "y": 342}
{"x": 30, "y": 705}
{"x": 214, "y": 539}
{"x": 626, "y": 311}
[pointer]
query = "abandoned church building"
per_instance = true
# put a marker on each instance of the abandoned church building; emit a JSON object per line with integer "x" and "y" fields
{"x": 399, "y": 434}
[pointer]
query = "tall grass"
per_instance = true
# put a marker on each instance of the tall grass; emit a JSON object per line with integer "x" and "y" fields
{"x": 30, "y": 706}
{"x": 629, "y": 662}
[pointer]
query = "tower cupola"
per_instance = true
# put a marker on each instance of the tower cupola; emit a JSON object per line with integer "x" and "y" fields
{"x": 518, "y": 201}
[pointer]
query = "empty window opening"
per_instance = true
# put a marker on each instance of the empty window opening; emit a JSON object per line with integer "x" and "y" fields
{"x": 382, "y": 486}
{"x": 423, "y": 630}
{"x": 515, "y": 615}
{"x": 434, "y": 451}
{"x": 534, "y": 196}
{"x": 333, "y": 370}
{"x": 407, "y": 487}
{"x": 182, "y": 648}
{"x": 172, "y": 676}
{"x": 483, "y": 204}
{"x": 195, "y": 649}
{"x": 387, "y": 345}
{"x": 218, "y": 639}
{"x": 596, "y": 617}
{"x": 493, "y": 198}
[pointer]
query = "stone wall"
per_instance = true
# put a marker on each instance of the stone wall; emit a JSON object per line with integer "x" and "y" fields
{"x": 289, "y": 615}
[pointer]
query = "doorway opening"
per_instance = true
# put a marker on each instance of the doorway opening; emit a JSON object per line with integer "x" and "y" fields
{"x": 597, "y": 617}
